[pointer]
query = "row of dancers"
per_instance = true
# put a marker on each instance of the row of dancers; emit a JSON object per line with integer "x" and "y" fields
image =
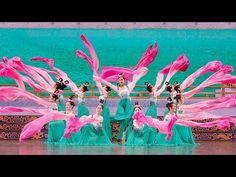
{"x": 135, "y": 128}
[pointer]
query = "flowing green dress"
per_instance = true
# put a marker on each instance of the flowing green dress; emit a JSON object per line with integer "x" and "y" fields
{"x": 152, "y": 111}
{"x": 124, "y": 113}
{"x": 94, "y": 134}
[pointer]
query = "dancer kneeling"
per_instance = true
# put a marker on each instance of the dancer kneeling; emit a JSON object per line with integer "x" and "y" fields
{"x": 93, "y": 133}
{"x": 140, "y": 132}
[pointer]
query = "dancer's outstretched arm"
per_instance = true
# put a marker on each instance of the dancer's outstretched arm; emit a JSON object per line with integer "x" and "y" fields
{"x": 98, "y": 79}
{"x": 102, "y": 91}
{"x": 138, "y": 75}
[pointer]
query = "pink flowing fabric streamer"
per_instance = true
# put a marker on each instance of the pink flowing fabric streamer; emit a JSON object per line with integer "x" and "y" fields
{"x": 6, "y": 71}
{"x": 219, "y": 77}
{"x": 160, "y": 76}
{"x": 203, "y": 116}
{"x": 111, "y": 73}
{"x": 212, "y": 66}
{"x": 219, "y": 103}
{"x": 11, "y": 109}
{"x": 163, "y": 126}
{"x": 12, "y": 93}
{"x": 62, "y": 74}
{"x": 12, "y": 73}
{"x": 94, "y": 61}
{"x": 221, "y": 122}
{"x": 148, "y": 57}
{"x": 36, "y": 125}
{"x": 75, "y": 124}
{"x": 181, "y": 64}
{"x": 32, "y": 71}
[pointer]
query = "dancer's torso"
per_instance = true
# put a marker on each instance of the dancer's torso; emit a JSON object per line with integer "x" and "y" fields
{"x": 124, "y": 92}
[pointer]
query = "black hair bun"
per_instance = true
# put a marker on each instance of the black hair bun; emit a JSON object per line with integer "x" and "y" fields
{"x": 169, "y": 99}
{"x": 86, "y": 83}
{"x": 71, "y": 97}
{"x": 101, "y": 101}
{"x": 167, "y": 83}
{"x": 136, "y": 103}
{"x": 66, "y": 82}
{"x": 146, "y": 83}
{"x": 108, "y": 88}
{"x": 60, "y": 79}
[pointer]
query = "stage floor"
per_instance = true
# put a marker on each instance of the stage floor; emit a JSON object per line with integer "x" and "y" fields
{"x": 35, "y": 147}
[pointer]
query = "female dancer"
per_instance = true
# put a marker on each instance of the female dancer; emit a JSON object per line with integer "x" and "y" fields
{"x": 151, "y": 111}
{"x": 80, "y": 93}
{"x": 104, "y": 93}
{"x": 124, "y": 110}
{"x": 58, "y": 89}
{"x": 93, "y": 133}
{"x": 56, "y": 128}
{"x": 175, "y": 140}
{"x": 185, "y": 132}
{"x": 74, "y": 137}
{"x": 140, "y": 133}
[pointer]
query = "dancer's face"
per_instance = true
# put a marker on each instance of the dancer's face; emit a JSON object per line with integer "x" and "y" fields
{"x": 172, "y": 89}
{"x": 51, "y": 99}
{"x": 181, "y": 89}
{"x": 68, "y": 106}
{"x": 173, "y": 108}
{"x": 99, "y": 109}
{"x": 81, "y": 88}
{"x": 137, "y": 109}
{"x": 121, "y": 81}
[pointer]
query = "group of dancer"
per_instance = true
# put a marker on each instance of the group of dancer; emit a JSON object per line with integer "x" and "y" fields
{"x": 135, "y": 128}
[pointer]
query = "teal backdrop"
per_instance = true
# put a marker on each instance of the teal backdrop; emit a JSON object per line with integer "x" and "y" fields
{"x": 119, "y": 47}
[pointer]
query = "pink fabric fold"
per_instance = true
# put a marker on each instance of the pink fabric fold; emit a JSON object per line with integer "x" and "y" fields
{"x": 181, "y": 64}
{"x": 219, "y": 77}
{"x": 7, "y": 71}
{"x": 61, "y": 73}
{"x": 166, "y": 70}
{"x": 15, "y": 109}
{"x": 110, "y": 73}
{"x": 208, "y": 105}
{"x": 212, "y": 66}
{"x": 189, "y": 120}
{"x": 148, "y": 57}
{"x": 88, "y": 45}
{"x": 36, "y": 125}
{"x": 38, "y": 74}
{"x": 12, "y": 93}
{"x": 74, "y": 124}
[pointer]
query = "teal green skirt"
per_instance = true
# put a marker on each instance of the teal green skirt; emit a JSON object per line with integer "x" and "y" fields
{"x": 106, "y": 124}
{"x": 123, "y": 115}
{"x": 91, "y": 136}
{"x": 82, "y": 110}
{"x": 152, "y": 111}
{"x": 138, "y": 137}
{"x": 56, "y": 130}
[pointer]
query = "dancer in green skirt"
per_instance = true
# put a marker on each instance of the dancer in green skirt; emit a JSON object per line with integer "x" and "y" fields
{"x": 175, "y": 139}
{"x": 184, "y": 131}
{"x": 151, "y": 111}
{"x": 139, "y": 135}
{"x": 56, "y": 128}
{"x": 82, "y": 108}
{"x": 94, "y": 133}
{"x": 124, "y": 110}
{"x": 104, "y": 92}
